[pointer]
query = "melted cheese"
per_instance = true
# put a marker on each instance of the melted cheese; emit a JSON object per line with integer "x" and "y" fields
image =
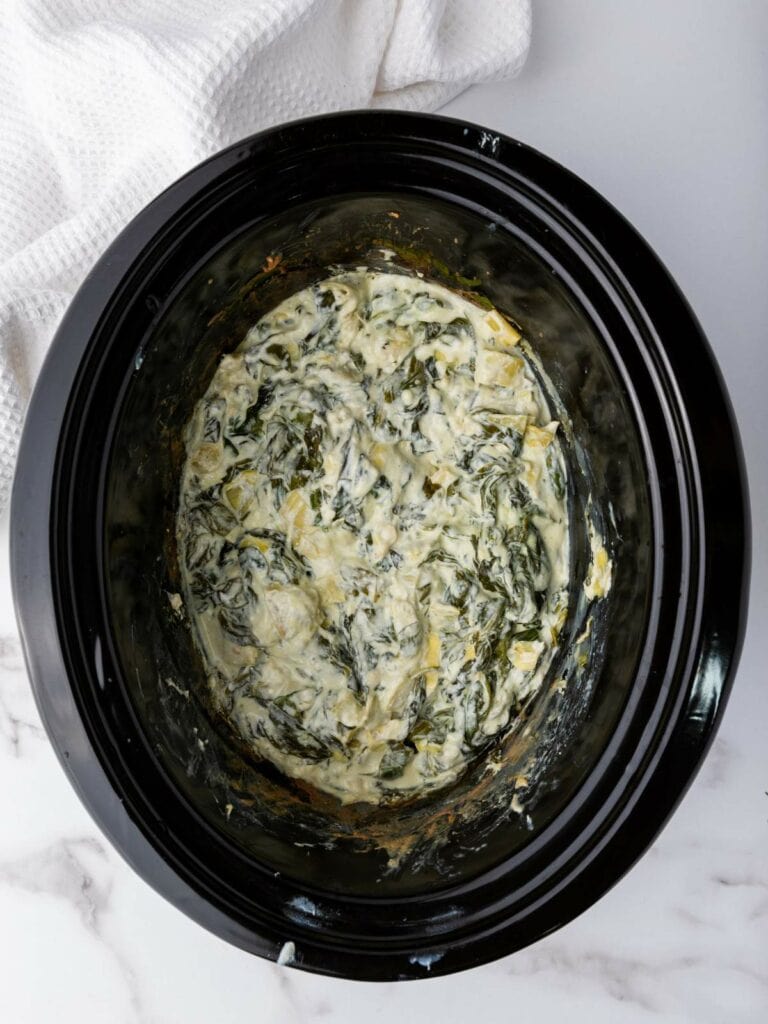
{"x": 600, "y": 572}
{"x": 373, "y": 534}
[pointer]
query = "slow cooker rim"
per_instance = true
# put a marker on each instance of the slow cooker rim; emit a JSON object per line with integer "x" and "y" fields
{"x": 176, "y": 196}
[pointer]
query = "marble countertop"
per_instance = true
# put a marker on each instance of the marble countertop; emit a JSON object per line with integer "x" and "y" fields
{"x": 663, "y": 107}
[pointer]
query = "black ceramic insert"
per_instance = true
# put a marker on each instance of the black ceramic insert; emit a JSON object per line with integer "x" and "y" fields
{"x": 229, "y": 841}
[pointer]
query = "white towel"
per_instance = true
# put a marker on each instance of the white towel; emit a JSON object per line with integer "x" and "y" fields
{"x": 103, "y": 103}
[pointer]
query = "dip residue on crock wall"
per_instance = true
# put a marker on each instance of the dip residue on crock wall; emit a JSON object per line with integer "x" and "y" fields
{"x": 514, "y": 766}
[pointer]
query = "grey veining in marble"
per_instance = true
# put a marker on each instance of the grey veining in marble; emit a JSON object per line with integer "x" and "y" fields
{"x": 663, "y": 107}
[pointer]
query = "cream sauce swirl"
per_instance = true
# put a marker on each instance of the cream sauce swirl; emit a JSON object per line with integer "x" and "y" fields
{"x": 373, "y": 534}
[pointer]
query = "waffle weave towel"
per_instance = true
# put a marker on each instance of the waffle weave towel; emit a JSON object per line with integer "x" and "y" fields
{"x": 105, "y": 103}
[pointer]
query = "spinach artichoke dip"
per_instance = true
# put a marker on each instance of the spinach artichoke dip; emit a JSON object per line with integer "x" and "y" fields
{"x": 373, "y": 534}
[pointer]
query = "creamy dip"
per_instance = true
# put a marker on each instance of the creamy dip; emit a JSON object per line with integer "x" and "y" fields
{"x": 373, "y": 534}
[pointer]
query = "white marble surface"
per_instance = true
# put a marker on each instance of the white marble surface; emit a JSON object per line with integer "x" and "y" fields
{"x": 663, "y": 107}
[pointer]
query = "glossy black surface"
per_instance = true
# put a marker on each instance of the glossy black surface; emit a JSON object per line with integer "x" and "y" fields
{"x": 92, "y": 548}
